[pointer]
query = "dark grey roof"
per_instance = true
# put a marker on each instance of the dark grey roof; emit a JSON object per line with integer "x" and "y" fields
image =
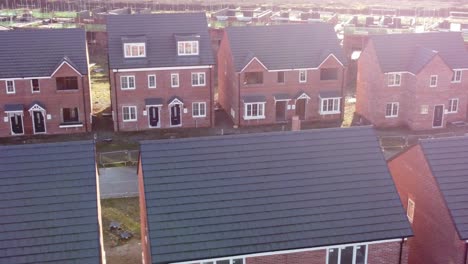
{"x": 330, "y": 94}
{"x": 284, "y": 46}
{"x": 411, "y": 52}
{"x": 38, "y": 52}
{"x": 282, "y": 96}
{"x": 13, "y": 107}
{"x": 448, "y": 159}
{"x": 154, "y": 101}
{"x": 49, "y": 204}
{"x": 231, "y": 195}
{"x": 254, "y": 99}
{"x": 160, "y": 31}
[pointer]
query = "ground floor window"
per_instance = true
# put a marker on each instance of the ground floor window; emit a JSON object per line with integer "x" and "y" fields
{"x": 453, "y": 106}
{"x": 222, "y": 261}
{"x": 330, "y": 106}
{"x": 199, "y": 109}
{"x": 347, "y": 255}
{"x": 254, "y": 111}
{"x": 129, "y": 113}
{"x": 391, "y": 110}
{"x": 70, "y": 115}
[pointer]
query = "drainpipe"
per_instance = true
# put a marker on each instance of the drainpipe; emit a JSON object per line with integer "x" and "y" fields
{"x": 84, "y": 103}
{"x": 401, "y": 250}
{"x": 116, "y": 109}
{"x": 239, "y": 99}
{"x": 342, "y": 104}
{"x": 212, "y": 116}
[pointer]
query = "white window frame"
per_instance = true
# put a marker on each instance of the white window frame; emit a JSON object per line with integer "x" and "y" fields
{"x": 355, "y": 247}
{"x": 199, "y": 104}
{"x": 260, "y": 105}
{"x": 334, "y": 100}
{"x": 127, "y": 77}
{"x": 32, "y": 87}
{"x": 149, "y": 82}
{"x": 186, "y": 52}
{"x": 197, "y": 76}
{"x": 129, "y": 113}
{"x": 410, "y": 210}
{"x": 178, "y": 80}
{"x": 392, "y": 109}
{"x": 451, "y": 106}
{"x": 394, "y": 80}
{"x": 13, "y": 86}
{"x": 454, "y": 78}
{"x": 426, "y": 109}
{"x": 131, "y": 45}
{"x": 305, "y": 76}
{"x": 433, "y": 77}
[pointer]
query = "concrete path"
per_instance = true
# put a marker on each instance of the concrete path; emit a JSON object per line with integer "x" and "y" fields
{"x": 118, "y": 182}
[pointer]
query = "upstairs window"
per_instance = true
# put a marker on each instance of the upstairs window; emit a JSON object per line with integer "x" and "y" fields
{"x": 35, "y": 86}
{"x": 174, "y": 80}
{"x": 10, "y": 87}
{"x": 67, "y": 83}
{"x": 187, "y": 48}
{"x": 135, "y": 50}
{"x": 253, "y": 78}
{"x": 453, "y": 106}
{"x": 198, "y": 79}
{"x": 394, "y": 79}
{"x": 302, "y": 76}
{"x": 280, "y": 77}
{"x": 391, "y": 110}
{"x": 127, "y": 82}
{"x": 433, "y": 81}
{"x": 457, "y": 75}
{"x": 410, "y": 210}
{"x": 329, "y": 74}
{"x": 70, "y": 115}
{"x": 152, "y": 81}
{"x": 347, "y": 255}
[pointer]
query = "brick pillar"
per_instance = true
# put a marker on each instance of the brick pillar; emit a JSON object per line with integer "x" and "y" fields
{"x": 296, "y": 123}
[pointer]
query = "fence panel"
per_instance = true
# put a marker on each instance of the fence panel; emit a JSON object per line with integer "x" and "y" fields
{"x": 124, "y": 157}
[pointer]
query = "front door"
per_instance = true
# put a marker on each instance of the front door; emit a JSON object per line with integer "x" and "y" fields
{"x": 16, "y": 123}
{"x": 38, "y": 122}
{"x": 175, "y": 115}
{"x": 153, "y": 116}
{"x": 438, "y": 116}
{"x": 281, "y": 110}
{"x": 300, "y": 108}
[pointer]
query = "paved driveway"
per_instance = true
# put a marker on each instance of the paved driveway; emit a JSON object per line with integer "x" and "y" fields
{"x": 118, "y": 182}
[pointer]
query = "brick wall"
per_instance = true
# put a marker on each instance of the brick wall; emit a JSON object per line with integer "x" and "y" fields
{"x": 373, "y": 93}
{"x": 52, "y": 99}
{"x": 186, "y": 92}
{"x": 145, "y": 245}
{"x": 435, "y": 238}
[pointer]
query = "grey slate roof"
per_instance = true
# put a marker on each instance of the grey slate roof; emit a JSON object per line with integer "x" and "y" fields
{"x": 330, "y": 94}
{"x": 38, "y": 52}
{"x": 48, "y": 205}
{"x": 160, "y": 31}
{"x": 282, "y": 96}
{"x": 411, "y": 52}
{"x": 448, "y": 160}
{"x": 231, "y": 195}
{"x": 284, "y": 46}
{"x": 13, "y": 107}
{"x": 154, "y": 101}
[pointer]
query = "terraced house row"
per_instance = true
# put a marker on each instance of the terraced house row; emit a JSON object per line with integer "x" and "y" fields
{"x": 163, "y": 70}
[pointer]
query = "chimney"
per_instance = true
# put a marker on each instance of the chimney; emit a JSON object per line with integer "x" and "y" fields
{"x": 296, "y": 123}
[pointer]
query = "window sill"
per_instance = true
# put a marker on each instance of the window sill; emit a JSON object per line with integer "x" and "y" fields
{"x": 330, "y": 113}
{"x": 199, "y": 116}
{"x": 202, "y": 85}
{"x": 132, "y": 120}
{"x": 253, "y": 84}
{"x": 127, "y": 89}
{"x": 394, "y": 85}
{"x": 68, "y": 91}
{"x": 334, "y": 80}
{"x": 391, "y": 116}
{"x": 71, "y": 125}
{"x": 456, "y": 112}
{"x": 254, "y": 118}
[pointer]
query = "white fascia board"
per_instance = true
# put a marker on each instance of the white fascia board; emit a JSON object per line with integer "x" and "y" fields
{"x": 164, "y": 68}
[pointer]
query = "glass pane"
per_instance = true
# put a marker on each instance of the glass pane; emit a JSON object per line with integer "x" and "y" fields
{"x": 395, "y": 109}
{"x": 324, "y": 105}
{"x": 226, "y": 261}
{"x": 360, "y": 254}
{"x": 347, "y": 255}
{"x": 237, "y": 261}
{"x": 333, "y": 256}
{"x": 202, "y": 109}
{"x": 180, "y": 47}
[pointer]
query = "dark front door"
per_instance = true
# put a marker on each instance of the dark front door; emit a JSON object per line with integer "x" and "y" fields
{"x": 280, "y": 110}
{"x": 175, "y": 115}
{"x": 39, "y": 124}
{"x": 153, "y": 116}
{"x": 16, "y": 122}
{"x": 300, "y": 108}
{"x": 438, "y": 116}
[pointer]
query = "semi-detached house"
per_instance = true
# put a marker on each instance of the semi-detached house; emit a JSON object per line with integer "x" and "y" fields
{"x": 160, "y": 71}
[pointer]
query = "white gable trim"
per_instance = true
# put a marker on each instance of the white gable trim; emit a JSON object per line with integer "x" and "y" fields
{"x": 289, "y": 251}
{"x": 400, "y": 72}
{"x": 303, "y": 96}
{"x": 36, "y": 107}
{"x": 175, "y": 101}
{"x": 164, "y": 68}
{"x": 60, "y": 66}
{"x": 23, "y": 78}
{"x": 331, "y": 55}
{"x": 254, "y": 58}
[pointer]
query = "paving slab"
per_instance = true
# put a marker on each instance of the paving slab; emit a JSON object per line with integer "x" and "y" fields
{"x": 118, "y": 182}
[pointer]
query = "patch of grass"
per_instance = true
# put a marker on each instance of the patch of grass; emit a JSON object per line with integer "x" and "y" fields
{"x": 117, "y": 145}
{"x": 123, "y": 210}
{"x": 100, "y": 87}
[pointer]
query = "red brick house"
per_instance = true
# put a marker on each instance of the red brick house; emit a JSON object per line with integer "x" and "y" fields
{"x": 267, "y": 74}
{"x": 44, "y": 84}
{"x": 161, "y": 76}
{"x": 413, "y": 80}
{"x": 298, "y": 197}
{"x": 431, "y": 179}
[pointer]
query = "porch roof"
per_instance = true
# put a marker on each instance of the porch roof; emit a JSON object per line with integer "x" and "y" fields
{"x": 13, "y": 108}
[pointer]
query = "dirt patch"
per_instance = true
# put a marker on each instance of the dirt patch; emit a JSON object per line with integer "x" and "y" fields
{"x": 126, "y": 211}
